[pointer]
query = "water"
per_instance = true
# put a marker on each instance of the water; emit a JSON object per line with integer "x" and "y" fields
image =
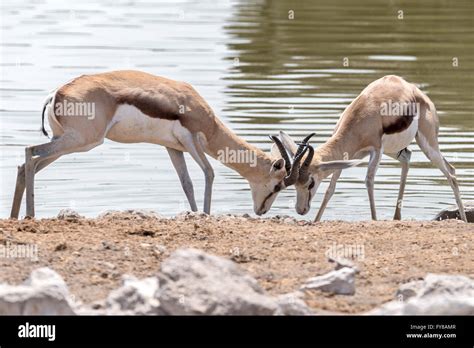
{"x": 259, "y": 70}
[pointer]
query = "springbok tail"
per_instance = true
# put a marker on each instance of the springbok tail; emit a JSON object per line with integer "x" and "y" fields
{"x": 42, "y": 119}
{"x": 48, "y": 100}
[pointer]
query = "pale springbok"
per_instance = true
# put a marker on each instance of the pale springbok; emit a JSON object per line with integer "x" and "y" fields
{"x": 384, "y": 119}
{"x": 132, "y": 107}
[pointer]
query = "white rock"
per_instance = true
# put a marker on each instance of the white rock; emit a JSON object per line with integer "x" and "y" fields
{"x": 408, "y": 290}
{"x": 131, "y": 214}
{"x": 47, "y": 278}
{"x": 340, "y": 281}
{"x": 43, "y": 293}
{"x": 447, "y": 284}
{"x": 193, "y": 282}
{"x": 430, "y": 305}
{"x": 435, "y": 295}
{"x": 292, "y": 304}
{"x": 342, "y": 262}
{"x": 134, "y": 297}
{"x": 69, "y": 214}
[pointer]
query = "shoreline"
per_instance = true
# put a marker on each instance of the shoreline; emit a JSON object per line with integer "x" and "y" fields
{"x": 281, "y": 253}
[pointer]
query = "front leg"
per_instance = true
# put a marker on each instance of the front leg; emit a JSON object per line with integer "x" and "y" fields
{"x": 375, "y": 157}
{"x": 179, "y": 164}
{"x": 327, "y": 196}
{"x": 208, "y": 171}
{"x": 192, "y": 143}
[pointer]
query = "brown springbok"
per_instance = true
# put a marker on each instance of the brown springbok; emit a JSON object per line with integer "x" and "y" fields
{"x": 133, "y": 107}
{"x": 384, "y": 119}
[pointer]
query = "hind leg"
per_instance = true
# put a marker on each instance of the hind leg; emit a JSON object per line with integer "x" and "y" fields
{"x": 20, "y": 185}
{"x": 431, "y": 150}
{"x": 39, "y": 156}
{"x": 177, "y": 158}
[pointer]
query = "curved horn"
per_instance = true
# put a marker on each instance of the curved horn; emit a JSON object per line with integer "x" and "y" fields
{"x": 304, "y": 170}
{"x": 305, "y": 140}
{"x": 303, "y": 143}
{"x": 283, "y": 152}
{"x": 291, "y": 178}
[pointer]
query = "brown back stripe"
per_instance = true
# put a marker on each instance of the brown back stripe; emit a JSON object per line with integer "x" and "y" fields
{"x": 150, "y": 104}
{"x": 399, "y": 125}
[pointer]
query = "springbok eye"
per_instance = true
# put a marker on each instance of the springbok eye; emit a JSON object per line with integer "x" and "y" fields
{"x": 311, "y": 185}
{"x": 277, "y": 188}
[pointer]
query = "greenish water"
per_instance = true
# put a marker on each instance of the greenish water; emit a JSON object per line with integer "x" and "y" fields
{"x": 263, "y": 66}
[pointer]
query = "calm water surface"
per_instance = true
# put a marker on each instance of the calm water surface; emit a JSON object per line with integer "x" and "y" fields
{"x": 259, "y": 70}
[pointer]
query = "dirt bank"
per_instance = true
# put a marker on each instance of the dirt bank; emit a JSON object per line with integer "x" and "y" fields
{"x": 92, "y": 254}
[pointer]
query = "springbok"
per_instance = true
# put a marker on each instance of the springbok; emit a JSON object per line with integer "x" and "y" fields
{"x": 384, "y": 119}
{"x": 132, "y": 107}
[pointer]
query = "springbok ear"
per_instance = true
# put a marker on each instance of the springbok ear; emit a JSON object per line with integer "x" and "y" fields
{"x": 278, "y": 168}
{"x": 288, "y": 143}
{"x": 274, "y": 152}
{"x": 337, "y": 165}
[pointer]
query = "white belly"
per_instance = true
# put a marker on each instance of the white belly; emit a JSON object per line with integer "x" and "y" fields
{"x": 393, "y": 143}
{"x": 130, "y": 125}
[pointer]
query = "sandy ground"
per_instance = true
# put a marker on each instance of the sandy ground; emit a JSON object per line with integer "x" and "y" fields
{"x": 92, "y": 254}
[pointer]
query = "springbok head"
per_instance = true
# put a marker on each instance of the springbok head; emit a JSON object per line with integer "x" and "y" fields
{"x": 311, "y": 172}
{"x": 283, "y": 172}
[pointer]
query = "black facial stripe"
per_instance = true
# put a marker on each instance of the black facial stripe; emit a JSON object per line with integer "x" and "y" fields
{"x": 276, "y": 189}
{"x": 265, "y": 200}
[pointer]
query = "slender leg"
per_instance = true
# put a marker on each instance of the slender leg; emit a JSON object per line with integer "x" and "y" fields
{"x": 375, "y": 157}
{"x": 177, "y": 158}
{"x": 434, "y": 155}
{"x": 193, "y": 145}
{"x": 29, "y": 178}
{"x": 208, "y": 173}
{"x": 19, "y": 190}
{"x": 327, "y": 196}
{"x": 37, "y": 157}
{"x": 404, "y": 157}
{"x": 20, "y": 185}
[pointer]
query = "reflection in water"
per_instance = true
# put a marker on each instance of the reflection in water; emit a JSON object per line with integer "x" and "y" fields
{"x": 258, "y": 69}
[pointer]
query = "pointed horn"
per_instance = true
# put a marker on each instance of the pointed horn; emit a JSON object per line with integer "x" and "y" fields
{"x": 283, "y": 152}
{"x": 304, "y": 170}
{"x": 295, "y": 169}
{"x": 303, "y": 143}
{"x": 305, "y": 140}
